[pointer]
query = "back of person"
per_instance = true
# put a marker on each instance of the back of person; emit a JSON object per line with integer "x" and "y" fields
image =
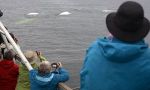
{"x": 48, "y": 81}
{"x": 114, "y": 65}
{"x": 8, "y": 74}
{"x": 122, "y": 61}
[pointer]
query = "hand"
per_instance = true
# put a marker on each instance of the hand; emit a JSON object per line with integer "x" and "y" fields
{"x": 38, "y": 53}
{"x": 59, "y": 64}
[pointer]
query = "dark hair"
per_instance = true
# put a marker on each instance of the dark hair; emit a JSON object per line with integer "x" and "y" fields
{"x": 9, "y": 55}
{"x": 1, "y": 39}
{"x": 12, "y": 35}
{"x": 1, "y": 13}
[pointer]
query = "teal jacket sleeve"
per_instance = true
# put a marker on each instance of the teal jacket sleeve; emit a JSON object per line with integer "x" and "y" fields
{"x": 62, "y": 76}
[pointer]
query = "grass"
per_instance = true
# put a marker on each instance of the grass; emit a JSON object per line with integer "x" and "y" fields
{"x": 23, "y": 81}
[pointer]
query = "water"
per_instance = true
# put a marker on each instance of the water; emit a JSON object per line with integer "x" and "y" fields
{"x": 60, "y": 38}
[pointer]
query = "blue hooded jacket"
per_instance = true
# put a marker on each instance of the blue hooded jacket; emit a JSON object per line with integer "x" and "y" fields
{"x": 48, "y": 81}
{"x": 111, "y": 64}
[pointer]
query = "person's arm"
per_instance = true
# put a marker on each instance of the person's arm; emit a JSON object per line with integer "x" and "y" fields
{"x": 42, "y": 58}
{"x": 31, "y": 73}
{"x": 63, "y": 75}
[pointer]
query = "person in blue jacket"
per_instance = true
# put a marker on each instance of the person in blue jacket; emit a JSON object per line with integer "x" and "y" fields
{"x": 120, "y": 62}
{"x": 44, "y": 79}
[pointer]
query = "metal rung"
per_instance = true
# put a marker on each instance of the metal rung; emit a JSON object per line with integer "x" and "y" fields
{"x": 63, "y": 86}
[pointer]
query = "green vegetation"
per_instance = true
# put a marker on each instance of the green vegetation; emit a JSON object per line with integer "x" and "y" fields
{"x": 23, "y": 81}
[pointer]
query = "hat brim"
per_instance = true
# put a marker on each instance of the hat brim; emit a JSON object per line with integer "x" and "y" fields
{"x": 127, "y": 36}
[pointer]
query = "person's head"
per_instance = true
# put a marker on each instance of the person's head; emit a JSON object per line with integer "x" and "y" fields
{"x": 128, "y": 23}
{"x": 44, "y": 67}
{"x": 9, "y": 55}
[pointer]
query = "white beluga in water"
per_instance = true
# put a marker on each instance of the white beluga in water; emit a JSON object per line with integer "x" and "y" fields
{"x": 65, "y": 13}
{"x": 32, "y": 14}
{"x": 108, "y": 11}
{"x": 29, "y": 18}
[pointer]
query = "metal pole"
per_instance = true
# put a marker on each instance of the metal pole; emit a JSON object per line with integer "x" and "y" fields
{"x": 6, "y": 42}
{"x": 18, "y": 50}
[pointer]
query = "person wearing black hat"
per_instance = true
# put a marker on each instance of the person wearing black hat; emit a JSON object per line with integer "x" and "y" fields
{"x": 122, "y": 61}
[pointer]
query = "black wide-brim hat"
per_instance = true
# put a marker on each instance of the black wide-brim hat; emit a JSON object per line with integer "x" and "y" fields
{"x": 119, "y": 30}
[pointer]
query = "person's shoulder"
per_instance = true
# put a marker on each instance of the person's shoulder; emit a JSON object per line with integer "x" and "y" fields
{"x": 14, "y": 69}
{"x": 16, "y": 66}
{"x": 147, "y": 52}
{"x": 94, "y": 45}
{"x": 33, "y": 71}
{"x": 98, "y": 40}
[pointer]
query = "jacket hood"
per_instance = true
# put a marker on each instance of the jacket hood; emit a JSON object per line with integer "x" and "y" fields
{"x": 118, "y": 51}
{"x": 43, "y": 80}
{"x": 6, "y": 64}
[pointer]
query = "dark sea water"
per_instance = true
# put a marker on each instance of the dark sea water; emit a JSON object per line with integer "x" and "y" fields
{"x": 60, "y": 38}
